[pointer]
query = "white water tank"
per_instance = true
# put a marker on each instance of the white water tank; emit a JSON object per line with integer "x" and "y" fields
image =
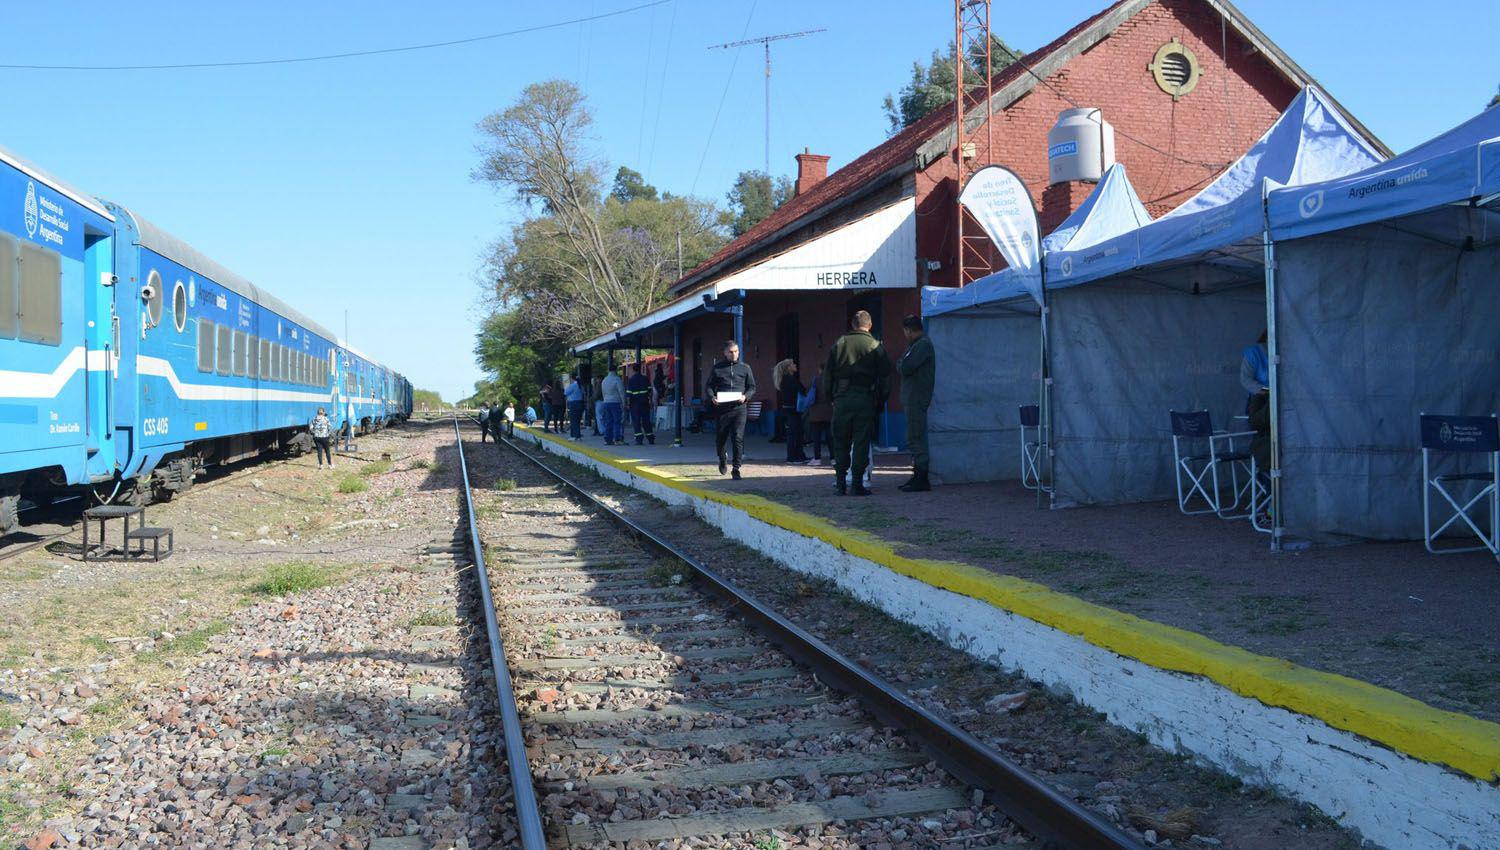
{"x": 1081, "y": 146}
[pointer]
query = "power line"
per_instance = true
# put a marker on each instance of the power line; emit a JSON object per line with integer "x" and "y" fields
{"x": 1055, "y": 90}
{"x": 661, "y": 92}
{"x": 328, "y": 56}
{"x": 707, "y": 143}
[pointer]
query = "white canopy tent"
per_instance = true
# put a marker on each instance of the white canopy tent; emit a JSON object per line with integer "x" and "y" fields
{"x": 988, "y": 336}
{"x": 1156, "y": 319}
{"x": 1386, "y": 298}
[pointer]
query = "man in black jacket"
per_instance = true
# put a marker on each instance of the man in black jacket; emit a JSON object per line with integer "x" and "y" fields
{"x": 729, "y": 386}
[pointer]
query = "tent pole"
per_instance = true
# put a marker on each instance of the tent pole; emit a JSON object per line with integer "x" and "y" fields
{"x": 1045, "y": 402}
{"x": 677, "y": 382}
{"x": 1273, "y": 358}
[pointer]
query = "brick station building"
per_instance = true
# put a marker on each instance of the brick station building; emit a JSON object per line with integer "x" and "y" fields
{"x": 1188, "y": 85}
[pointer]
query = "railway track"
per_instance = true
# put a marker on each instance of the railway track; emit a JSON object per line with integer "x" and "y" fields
{"x": 661, "y": 704}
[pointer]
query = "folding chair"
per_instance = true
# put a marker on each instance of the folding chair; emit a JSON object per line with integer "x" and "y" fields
{"x": 1202, "y": 470}
{"x": 1260, "y": 499}
{"x": 1466, "y": 435}
{"x": 1031, "y": 446}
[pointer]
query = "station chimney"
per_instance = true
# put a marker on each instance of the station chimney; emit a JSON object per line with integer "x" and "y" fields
{"x": 811, "y": 169}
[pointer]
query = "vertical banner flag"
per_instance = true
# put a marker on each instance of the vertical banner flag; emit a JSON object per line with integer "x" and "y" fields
{"x": 999, "y": 201}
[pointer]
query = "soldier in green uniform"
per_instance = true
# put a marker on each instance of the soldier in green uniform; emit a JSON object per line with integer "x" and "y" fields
{"x": 857, "y": 379}
{"x": 917, "y": 369}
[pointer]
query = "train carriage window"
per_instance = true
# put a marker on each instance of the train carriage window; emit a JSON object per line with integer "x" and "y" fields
{"x": 41, "y": 295}
{"x": 240, "y": 354}
{"x": 301, "y": 368}
{"x": 265, "y": 360}
{"x": 179, "y": 306}
{"x": 252, "y": 365}
{"x": 225, "y": 352}
{"x": 286, "y": 364}
{"x": 10, "y": 266}
{"x": 205, "y": 345}
{"x": 153, "y": 301}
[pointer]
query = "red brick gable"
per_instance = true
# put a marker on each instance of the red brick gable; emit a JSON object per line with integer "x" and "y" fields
{"x": 898, "y": 150}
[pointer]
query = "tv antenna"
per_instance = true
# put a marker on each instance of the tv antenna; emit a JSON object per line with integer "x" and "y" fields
{"x": 765, "y": 41}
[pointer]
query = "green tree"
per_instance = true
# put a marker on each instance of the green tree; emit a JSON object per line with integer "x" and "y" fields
{"x": 631, "y": 186}
{"x": 931, "y": 85}
{"x": 752, "y": 198}
{"x": 517, "y": 366}
{"x": 426, "y": 400}
{"x": 583, "y": 261}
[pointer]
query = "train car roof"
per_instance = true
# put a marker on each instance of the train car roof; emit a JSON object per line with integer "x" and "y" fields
{"x": 180, "y": 252}
{"x": 76, "y": 195}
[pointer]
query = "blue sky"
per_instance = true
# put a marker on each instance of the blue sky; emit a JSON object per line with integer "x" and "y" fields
{"x": 345, "y": 184}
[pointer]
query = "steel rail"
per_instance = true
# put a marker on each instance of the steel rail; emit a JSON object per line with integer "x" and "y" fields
{"x": 523, "y": 792}
{"x": 1036, "y": 806}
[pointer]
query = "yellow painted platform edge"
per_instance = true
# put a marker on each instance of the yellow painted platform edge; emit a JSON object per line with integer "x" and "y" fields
{"x": 1407, "y": 725}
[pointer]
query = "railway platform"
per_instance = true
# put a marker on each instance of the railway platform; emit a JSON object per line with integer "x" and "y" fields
{"x": 1336, "y": 673}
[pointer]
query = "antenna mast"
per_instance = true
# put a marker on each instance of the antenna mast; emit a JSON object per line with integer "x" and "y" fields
{"x": 765, "y": 41}
{"x": 971, "y": 82}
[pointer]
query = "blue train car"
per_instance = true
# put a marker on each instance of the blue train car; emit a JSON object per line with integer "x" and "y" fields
{"x": 129, "y": 361}
{"x": 57, "y": 345}
{"x": 223, "y": 370}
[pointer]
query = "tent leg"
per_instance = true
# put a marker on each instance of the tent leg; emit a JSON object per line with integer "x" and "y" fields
{"x": 1273, "y": 357}
{"x": 677, "y": 378}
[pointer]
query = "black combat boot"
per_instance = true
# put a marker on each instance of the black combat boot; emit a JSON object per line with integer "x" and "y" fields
{"x": 859, "y": 488}
{"x": 840, "y": 487}
{"x": 918, "y": 483}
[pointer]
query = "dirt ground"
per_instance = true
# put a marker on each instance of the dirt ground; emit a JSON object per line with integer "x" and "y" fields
{"x": 1117, "y": 773}
{"x": 1387, "y": 613}
{"x": 255, "y": 688}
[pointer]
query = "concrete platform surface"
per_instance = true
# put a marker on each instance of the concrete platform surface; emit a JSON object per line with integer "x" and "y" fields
{"x": 1389, "y": 614}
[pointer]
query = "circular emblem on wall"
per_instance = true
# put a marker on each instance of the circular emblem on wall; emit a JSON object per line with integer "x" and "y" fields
{"x": 31, "y": 210}
{"x": 1067, "y": 266}
{"x": 1310, "y": 204}
{"x": 1445, "y": 433}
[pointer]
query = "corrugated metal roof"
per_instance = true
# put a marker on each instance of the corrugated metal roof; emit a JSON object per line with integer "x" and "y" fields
{"x": 180, "y": 252}
{"x": 77, "y": 195}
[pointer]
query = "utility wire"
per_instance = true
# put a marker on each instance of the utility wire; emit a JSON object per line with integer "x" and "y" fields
{"x": 349, "y": 55}
{"x": 1055, "y": 90}
{"x": 708, "y": 142}
{"x": 661, "y": 92}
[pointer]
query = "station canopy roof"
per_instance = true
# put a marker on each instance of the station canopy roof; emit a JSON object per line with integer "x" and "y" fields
{"x": 1460, "y": 166}
{"x": 1111, "y": 209}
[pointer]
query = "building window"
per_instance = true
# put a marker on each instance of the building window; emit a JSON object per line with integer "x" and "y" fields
{"x": 41, "y": 295}
{"x": 153, "y": 297}
{"x": 1176, "y": 69}
{"x": 205, "y": 345}
{"x": 10, "y": 270}
{"x": 240, "y": 354}
{"x": 179, "y": 306}
{"x": 224, "y": 347}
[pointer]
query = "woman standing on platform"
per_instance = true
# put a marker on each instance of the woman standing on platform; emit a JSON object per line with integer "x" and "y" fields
{"x": 789, "y": 393}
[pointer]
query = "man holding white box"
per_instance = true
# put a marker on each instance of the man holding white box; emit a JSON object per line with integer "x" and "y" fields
{"x": 729, "y": 386}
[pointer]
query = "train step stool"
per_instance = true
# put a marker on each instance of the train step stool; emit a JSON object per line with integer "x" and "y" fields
{"x": 153, "y": 534}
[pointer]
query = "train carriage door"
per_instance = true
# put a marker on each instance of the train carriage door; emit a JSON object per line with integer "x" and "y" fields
{"x": 101, "y": 349}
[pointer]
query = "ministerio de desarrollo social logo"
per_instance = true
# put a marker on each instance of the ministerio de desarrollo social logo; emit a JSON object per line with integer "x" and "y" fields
{"x": 1310, "y": 204}
{"x": 1067, "y": 266}
{"x": 30, "y": 209}
{"x": 1445, "y": 433}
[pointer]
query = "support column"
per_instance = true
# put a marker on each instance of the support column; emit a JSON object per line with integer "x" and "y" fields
{"x": 677, "y": 375}
{"x": 739, "y": 327}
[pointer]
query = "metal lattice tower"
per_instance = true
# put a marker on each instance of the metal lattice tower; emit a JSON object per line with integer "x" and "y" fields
{"x": 765, "y": 41}
{"x": 973, "y": 84}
